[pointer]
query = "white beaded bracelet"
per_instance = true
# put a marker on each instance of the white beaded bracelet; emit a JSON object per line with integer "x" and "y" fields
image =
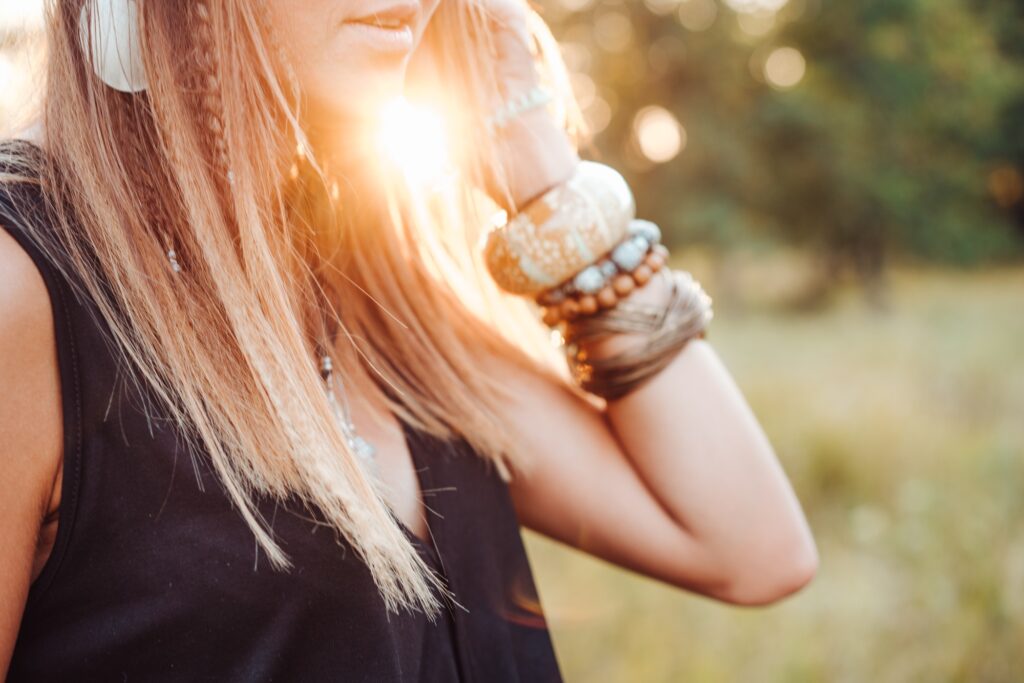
{"x": 535, "y": 97}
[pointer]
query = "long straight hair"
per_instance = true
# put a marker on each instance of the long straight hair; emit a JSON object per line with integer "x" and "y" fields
{"x": 206, "y": 160}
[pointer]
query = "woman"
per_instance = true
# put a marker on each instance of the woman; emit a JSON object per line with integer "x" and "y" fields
{"x": 265, "y": 415}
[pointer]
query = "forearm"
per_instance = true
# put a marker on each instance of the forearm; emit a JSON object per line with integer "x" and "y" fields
{"x": 696, "y": 444}
{"x": 688, "y": 433}
{"x": 540, "y": 157}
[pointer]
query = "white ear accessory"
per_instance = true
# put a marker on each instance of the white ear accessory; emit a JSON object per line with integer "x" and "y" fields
{"x": 110, "y": 39}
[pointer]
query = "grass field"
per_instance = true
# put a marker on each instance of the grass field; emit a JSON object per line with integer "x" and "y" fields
{"x": 903, "y": 433}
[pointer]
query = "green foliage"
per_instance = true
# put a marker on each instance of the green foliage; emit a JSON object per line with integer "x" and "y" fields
{"x": 886, "y": 145}
{"x": 901, "y": 433}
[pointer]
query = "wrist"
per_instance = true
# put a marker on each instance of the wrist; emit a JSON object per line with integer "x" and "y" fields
{"x": 655, "y": 293}
{"x": 539, "y": 157}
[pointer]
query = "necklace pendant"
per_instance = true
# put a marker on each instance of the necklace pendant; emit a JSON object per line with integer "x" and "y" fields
{"x": 366, "y": 453}
{"x": 363, "y": 449}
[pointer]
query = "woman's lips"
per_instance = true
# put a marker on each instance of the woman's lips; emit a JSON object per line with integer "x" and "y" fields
{"x": 385, "y": 39}
{"x": 388, "y": 28}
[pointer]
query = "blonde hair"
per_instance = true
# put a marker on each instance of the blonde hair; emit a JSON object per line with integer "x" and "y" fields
{"x": 201, "y": 160}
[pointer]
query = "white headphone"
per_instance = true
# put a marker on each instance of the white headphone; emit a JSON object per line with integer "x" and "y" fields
{"x": 111, "y": 41}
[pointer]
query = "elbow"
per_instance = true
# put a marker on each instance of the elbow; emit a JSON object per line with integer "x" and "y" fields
{"x": 770, "y": 580}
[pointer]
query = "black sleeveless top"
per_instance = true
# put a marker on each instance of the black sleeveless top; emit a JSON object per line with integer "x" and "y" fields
{"x": 154, "y": 576}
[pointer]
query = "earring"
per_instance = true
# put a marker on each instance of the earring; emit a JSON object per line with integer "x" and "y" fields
{"x": 109, "y": 35}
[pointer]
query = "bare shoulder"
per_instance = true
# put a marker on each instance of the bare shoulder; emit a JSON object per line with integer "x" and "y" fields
{"x": 30, "y": 427}
{"x": 30, "y": 401}
{"x": 25, "y": 314}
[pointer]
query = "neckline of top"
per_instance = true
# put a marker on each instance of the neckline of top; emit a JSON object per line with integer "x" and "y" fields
{"x": 413, "y": 443}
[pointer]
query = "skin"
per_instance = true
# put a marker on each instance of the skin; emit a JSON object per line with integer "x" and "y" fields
{"x": 340, "y": 73}
{"x": 676, "y": 481}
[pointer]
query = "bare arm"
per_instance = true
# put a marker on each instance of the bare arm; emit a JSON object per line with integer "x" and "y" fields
{"x": 676, "y": 481}
{"x": 687, "y": 492}
{"x": 30, "y": 434}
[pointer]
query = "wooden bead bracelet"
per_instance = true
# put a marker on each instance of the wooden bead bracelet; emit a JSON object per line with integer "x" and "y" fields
{"x": 620, "y": 287}
{"x": 668, "y": 329}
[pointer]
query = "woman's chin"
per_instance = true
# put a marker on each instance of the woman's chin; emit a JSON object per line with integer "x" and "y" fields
{"x": 360, "y": 99}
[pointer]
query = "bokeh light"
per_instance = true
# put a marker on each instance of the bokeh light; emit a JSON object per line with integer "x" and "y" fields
{"x": 697, "y": 15}
{"x": 613, "y": 31}
{"x": 785, "y": 67}
{"x": 756, "y": 23}
{"x": 1006, "y": 184}
{"x": 756, "y": 6}
{"x": 659, "y": 134}
{"x": 662, "y": 7}
{"x": 575, "y": 5}
{"x": 577, "y": 56}
{"x": 584, "y": 88}
{"x": 598, "y": 115}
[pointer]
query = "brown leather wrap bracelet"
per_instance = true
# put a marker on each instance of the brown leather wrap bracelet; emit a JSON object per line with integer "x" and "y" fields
{"x": 684, "y": 317}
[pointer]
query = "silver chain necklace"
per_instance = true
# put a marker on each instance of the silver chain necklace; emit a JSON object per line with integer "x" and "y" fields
{"x": 364, "y": 450}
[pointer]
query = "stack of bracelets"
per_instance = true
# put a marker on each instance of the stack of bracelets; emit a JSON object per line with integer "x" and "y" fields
{"x": 579, "y": 252}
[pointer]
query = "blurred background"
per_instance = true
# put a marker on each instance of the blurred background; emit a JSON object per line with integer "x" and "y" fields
{"x": 847, "y": 181}
{"x": 845, "y": 178}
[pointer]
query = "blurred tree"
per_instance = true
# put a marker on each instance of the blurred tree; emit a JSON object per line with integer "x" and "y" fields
{"x": 882, "y": 126}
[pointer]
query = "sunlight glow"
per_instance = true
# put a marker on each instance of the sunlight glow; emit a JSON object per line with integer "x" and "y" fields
{"x": 413, "y": 138}
{"x": 9, "y": 76}
{"x": 25, "y": 14}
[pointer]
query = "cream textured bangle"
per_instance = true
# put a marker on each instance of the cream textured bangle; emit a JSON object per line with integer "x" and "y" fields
{"x": 625, "y": 258}
{"x": 562, "y": 232}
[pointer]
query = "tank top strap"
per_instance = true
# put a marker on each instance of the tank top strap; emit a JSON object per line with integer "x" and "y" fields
{"x": 20, "y": 203}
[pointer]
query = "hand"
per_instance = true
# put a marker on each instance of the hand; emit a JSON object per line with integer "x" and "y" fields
{"x": 536, "y": 152}
{"x": 516, "y": 68}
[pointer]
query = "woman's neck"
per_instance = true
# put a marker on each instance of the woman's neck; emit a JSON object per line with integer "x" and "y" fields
{"x": 344, "y": 142}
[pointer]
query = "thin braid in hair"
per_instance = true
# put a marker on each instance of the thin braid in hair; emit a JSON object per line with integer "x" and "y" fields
{"x": 141, "y": 138}
{"x": 209, "y": 92}
{"x": 207, "y": 87}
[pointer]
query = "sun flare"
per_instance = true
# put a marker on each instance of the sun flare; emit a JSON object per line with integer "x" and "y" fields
{"x": 414, "y": 140}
